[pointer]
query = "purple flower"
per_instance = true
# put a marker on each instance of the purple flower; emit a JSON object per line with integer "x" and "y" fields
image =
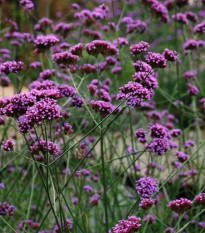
{"x": 44, "y": 146}
{"x": 146, "y": 204}
{"x": 146, "y": 187}
{"x": 44, "y": 42}
{"x": 77, "y": 49}
{"x": 65, "y": 58}
{"x": 94, "y": 200}
{"x": 2, "y": 186}
{"x": 2, "y": 121}
{"x": 8, "y": 145}
{"x": 191, "y": 16}
{"x": 6, "y": 209}
{"x": 192, "y": 89}
{"x": 76, "y": 101}
{"x": 182, "y": 157}
{"x": 42, "y": 85}
{"x": 101, "y": 47}
{"x": 64, "y": 45}
{"x": 141, "y": 47}
{"x": 116, "y": 70}
{"x": 190, "y": 45}
{"x": 75, "y": 6}
{"x": 75, "y": 200}
{"x": 180, "y": 205}
{"x": 200, "y": 199}
{"x": 156, "y": 60}
{"x": 133, "y": 93}
{"x": 136, "y": 26}
{"x": 190, "y": 75}
{"x": 170, "y": 55}
{"x": 200, "y": 28}
{"x": 47, "y": 74}
{"x": 181, "y": 18}
{"x": 66, "y": 90}
{"x": 88, "y": 69}
{"x": 120, "y": 41}
{"x": 140, "y": 134}
{"x": 45, "y": 109}
{"x": 43, "y": 24}
{"x": 202, "y": 225}
{"x": 159, "y": 146}
{"x": 105, "y": 108}
{"x": 95, "y": 35}
{"x": 175, "y": 132}
{"x": 158, "y": 131}
{"x": 63, "y": 28}
{"x": 177, "y": 165}
{"x": 27, "y": 5}
{"x": 160, "y": 11}
{"x": 127, "y": 226}
{"x": 189, "y": 143}
{"x": 11, "y": 67}
{"x": 35, "y": 65}
{"x": 141, "y": 66}
{"x": 88, "y": 189}
{"x": 5, "y": 81}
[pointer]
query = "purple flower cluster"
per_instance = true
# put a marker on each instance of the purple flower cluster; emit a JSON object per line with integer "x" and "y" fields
{"x": 146, "y": 204}
{"x": 94, "y": 200}
{"x": 190, "y": 45}
{"x": 43, "y": 24}
{"x": 77, "y": 49}
{"x": 159, "y": 9}
{"x": 156, "y": 60}
{"x": 42, "y": 43}
{"x": 133, "y": 93}
{"x": 146, "y": 187}
{"x": 170, "y": 55}
{"x": 180, "y": 205}
{"x": 11, "y": 67}
{"x": 6, "y": 209}
{"x": 63, "y": 28}
{"x": 105, "y": 108}
{"x": 97, "y": 47}
{"x": 88, "y": 69}
{"x": 45, "y": 109}
{"x": 140, "y": 134}
{"x": 8, "y": 145}
{"x": 158, "y": 131}
{"x": 200, "y": 28}
{"x": 25, "y": 224}
{"x": 127, "y": 226}
{"x": 5, "y": 81}
{"x": 141, "y": 47}
{"x": 141, "y": 66}
{"x": 192, "y": 90}
{"x": 27, "y": 5}
{"x": 44, "y": 147}
{"x": 159, "y": 146}
{"x": 65, "y": 58}
{"x": 182, "y": 157}
{"x": 200, "y": 199}
{"x": 181, "y": 18}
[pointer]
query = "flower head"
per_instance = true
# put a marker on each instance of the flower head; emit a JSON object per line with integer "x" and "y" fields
{"x": 180, "y": 205}
{"x": 146, "y": 187}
